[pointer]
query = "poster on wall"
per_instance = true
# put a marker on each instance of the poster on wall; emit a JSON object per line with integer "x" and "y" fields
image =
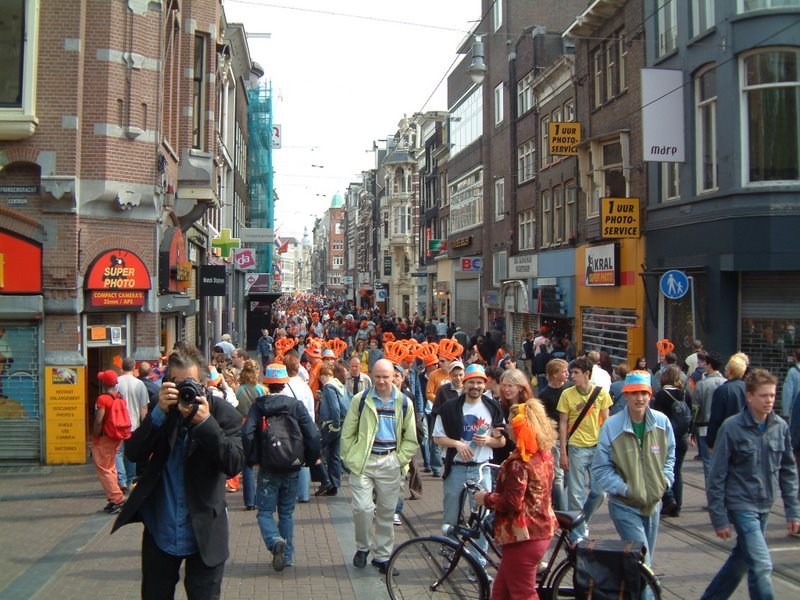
{"x": 601, "y": 265}
{"x": 65, "y": 414}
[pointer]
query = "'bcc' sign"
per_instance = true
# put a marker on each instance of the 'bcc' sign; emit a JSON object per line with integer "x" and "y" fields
{"x": 471, "y": 264}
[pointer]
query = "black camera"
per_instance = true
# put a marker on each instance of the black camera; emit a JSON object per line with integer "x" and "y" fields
{"x": 189, "y": 390}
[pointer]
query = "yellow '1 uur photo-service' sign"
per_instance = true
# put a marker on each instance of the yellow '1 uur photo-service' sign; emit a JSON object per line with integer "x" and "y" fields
{"x": 563, "y": 138}
{"x": 619, "y": 217}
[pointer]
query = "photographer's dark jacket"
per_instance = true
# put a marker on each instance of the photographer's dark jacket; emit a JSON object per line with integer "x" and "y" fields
{"x": 270, "y": 405}
{"x": 213, "y": 454}
{"x": 452, "y": 415}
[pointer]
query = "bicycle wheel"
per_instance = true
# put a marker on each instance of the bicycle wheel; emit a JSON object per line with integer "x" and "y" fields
{"x": 422, "y": 563}
{"x": 562, "y": 583}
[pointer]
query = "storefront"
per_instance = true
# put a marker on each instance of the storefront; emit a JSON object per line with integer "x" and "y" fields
{"x": 21, "y": 330}
{"x": 609, "y": 299}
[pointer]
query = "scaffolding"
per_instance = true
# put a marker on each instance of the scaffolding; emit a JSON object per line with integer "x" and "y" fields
{"x": 259, "y": 164}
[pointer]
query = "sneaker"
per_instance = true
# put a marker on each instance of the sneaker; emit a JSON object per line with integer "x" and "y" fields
{"x": 332, "y": 492}
{"x": 323, "y": 489}
{"x": 426, "y": 469}
{"x": 115, "y": 508}
{"x": 436, "y": 474}
{"x": 360, "y": 559}
{"x": 108, "y": 507}
{"x": 278, "y": 559}
{"x": 398, "y": 520}
{"x": 383, "y": 567}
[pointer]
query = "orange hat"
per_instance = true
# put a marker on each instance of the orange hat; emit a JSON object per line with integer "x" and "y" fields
{"x": 338, "y": 346}
{"x": 388, "y": 337}
{"x": 313, "y": 351}
{"x": 450, "y": 349}
{"x": 664, "y": 347}
{"x": 396, "y": 352}
{"x": 428, "y": 353}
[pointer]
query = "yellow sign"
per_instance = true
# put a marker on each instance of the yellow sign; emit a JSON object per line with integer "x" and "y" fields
{"x": 619, "y": 217}
{"x": 563, "y": 138}
{"x": 65, "y": 414}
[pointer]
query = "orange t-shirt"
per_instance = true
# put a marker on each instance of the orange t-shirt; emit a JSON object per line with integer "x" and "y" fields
{"x": 435, "y": 379}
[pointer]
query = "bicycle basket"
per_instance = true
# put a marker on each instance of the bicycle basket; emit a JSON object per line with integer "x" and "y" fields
{"x": 608, "y": 570}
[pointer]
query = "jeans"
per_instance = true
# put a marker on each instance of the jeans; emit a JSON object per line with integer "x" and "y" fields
{"x": 453, "y": 486}
{"x": 333, "y": 462}
{"x": 304, "y": 485}
{"x": 126, "y": 469}
{"x": 675, "y": 493}
{"x": 580, "y": 465}
{"x": 435, "y": 457}
{"x": 277, "y": 492}
{"x": 249, "y": 486}
{"x": 633, "y": 526}
{"x": 705, "y": 455}
{"x": 750, "y": 555}
{"x": 424, "y": 445}
{"x": 559, "y": 494}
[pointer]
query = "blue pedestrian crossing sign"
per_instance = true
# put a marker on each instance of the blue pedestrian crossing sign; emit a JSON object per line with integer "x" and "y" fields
{"x": 674, "y": 284}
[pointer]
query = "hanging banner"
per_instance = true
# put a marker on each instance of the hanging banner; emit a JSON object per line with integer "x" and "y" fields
{"x": 662, "y": 115}
{"x": 118, "y": 270}
{"x": 601, "y": 265}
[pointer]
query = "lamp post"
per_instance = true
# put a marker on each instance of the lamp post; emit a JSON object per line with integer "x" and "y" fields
{"x": 477, "y": 68}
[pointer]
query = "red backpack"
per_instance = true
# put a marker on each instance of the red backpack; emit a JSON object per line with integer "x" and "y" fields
{"x": 117, "y": 422}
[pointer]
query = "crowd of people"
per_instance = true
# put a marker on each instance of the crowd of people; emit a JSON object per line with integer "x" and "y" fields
{"x": 334, "y": 393}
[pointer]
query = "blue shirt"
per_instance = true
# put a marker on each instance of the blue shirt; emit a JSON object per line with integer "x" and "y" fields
{"x": 385, "y": 437}
{"x": 166, "y": 512}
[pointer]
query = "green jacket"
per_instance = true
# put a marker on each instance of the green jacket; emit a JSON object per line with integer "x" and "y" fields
{"x": 358, "y": 432}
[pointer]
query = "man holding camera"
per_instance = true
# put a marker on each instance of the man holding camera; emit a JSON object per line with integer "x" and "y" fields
{"x": 191, "y": 445}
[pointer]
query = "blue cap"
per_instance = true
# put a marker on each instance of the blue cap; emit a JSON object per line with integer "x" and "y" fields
{"x": 475, "y": 370}
{"x": 276, "y": 373}
{"x": 637, "y": 381}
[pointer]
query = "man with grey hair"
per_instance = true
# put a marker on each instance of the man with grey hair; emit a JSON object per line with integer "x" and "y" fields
{"x": 226, "y": 345}
{"x": 138, "y": 399}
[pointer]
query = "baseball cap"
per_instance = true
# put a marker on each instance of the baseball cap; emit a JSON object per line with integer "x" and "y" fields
{"x": 276, "y": 373}
{"x": 456, "y": 364}
{"x": 214, "y": 376}
{"x": 475, "y": 371}
{"x": 637, "y": 381}
{"x": 328, "y": 353}
{"x": 399, "y": 369}
{"x": 108, "y": 378}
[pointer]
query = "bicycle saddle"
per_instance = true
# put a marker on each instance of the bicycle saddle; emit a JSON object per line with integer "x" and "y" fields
{"x": 569, "y": 520}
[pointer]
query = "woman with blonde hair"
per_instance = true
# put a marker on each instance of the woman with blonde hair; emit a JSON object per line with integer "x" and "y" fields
{"x": 514, "y": 389}
{"x": 524, "y": 520}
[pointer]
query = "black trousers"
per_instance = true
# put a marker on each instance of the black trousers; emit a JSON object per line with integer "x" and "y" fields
{"x": 161, "y": 572}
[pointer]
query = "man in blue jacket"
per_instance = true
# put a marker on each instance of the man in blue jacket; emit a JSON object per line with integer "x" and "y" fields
{"x": 752, "y": 460}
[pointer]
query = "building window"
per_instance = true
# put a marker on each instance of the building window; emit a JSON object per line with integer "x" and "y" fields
{"x": 747, "y": 5}
{"x": 338, "y": 261}
{"x": 499, "y": 199}
{"x": 569, "y": 111}
{"x": 597, "y": 69}
{"x": 526, "y": 160}
{"x": 466, "y": 202}
{"x": 499, "y": 267}
{"x": 198, "y": 92}
{"x": 466, "y": 122}
{"x": 385, "y": 225}
{"x": 771, "y": 90}
{"x": 670, "y": 181}
{"x": 606, "y": 174}
{"x": 702, "y": 16}
{"x": 498, "y": 104}
{"x": 612, "y": 67}
{"x": 569, "y": 210}
{"x": 19, "y": 28}
{"x": 558, "y": 214}
{"x": 497, "y": 14}
{"x": 402, "y": 224}
{"x": 547, "y": 218}
{"x": 667, "y": 26}
{"x": 546, "y": 159}
{"x": 337, "y": 228}
{"x": 706, "y": 129}
{"x": 526, "y": 230}
{"x": 623, "y": 46}
{"x": 525, "y": 94}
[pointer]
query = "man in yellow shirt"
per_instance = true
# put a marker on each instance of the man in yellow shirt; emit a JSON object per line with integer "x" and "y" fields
{"x": 581, "y": 441}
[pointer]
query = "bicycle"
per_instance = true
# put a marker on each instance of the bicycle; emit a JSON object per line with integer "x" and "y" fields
{"x": 436, "y": 565}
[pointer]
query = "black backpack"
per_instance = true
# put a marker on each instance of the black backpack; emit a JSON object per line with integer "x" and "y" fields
{"x": 280, "y": 442}
{"x": 680, "y": 415}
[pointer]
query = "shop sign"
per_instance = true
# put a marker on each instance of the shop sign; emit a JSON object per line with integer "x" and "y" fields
{"x": 523, "y": 267}
{"x": 364, "y": 277}
{"x": 225, "y": 243}
{"x": 65, "y": 414}
{"x": 116, "y": 298}
{"x": 20, "y": 265}
{"x": 347, "y": 279}
{"x": 563, "y": 138}
{"x": 471, "y": 264}
{"x": 244, "y": 259}
{"x": 19, "y": 189}
{"x": 461, "y": 242}
{"x": 601, "y": 265}
{"x": 619, "y": 217}
{"x": 175, "y": 271}
{"x": 257, "y": 283}
{"x": 213, "y": 281}
{"x": 491, "y": 299}
{"x": 118, "y": 270}
{"x": 437, "y": 245}
{"x": 387, "y": 266}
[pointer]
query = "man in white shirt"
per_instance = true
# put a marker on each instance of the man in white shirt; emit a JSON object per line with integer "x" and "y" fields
{"x": 135, "y": 393}
{"x": 298, "y": 388}
{"x": 600, "y": 376}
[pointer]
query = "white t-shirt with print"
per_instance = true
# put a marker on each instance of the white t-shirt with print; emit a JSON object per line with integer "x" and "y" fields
{"x": 476, "y": 416}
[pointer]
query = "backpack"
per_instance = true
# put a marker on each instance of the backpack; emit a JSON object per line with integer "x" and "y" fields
{"x": 680, "y": 415}
{"x": 280, "y": 442}
{"x": 406, "y": 403}
{"x": 117, "y": 422}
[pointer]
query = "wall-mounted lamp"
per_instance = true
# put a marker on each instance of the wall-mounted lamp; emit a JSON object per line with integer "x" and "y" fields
{"x": 477, "y": 69}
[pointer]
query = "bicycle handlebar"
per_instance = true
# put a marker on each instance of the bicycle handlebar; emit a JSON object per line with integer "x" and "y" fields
{"x": 475, "y": 486}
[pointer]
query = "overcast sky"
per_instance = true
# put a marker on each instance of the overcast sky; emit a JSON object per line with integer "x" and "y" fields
{"x": 344, "y": 72}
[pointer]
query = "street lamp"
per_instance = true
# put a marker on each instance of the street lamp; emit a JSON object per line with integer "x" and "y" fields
{"x": 477, "y": 69}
